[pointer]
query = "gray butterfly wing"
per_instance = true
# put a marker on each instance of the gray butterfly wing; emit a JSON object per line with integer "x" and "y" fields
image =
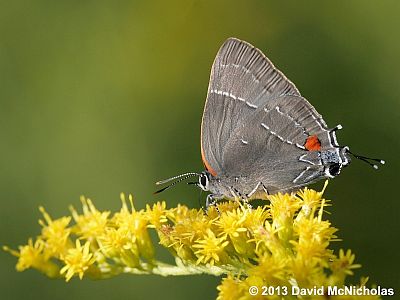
{"x": 269, "y": 146}
{"x": 242, "y": 80}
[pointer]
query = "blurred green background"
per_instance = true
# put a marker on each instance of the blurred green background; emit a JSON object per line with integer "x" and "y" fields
{"x": 101, "y": 97}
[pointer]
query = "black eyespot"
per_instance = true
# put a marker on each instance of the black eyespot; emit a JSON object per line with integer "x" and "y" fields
{"x": 334, "y": 169}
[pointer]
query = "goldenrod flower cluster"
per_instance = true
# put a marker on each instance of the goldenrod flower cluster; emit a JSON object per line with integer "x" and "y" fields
{"x": 283, "y": 243}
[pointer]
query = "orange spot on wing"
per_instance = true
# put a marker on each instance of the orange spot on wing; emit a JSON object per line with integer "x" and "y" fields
{"x": 313, "y": 143}
{"x": 206, "y": 164}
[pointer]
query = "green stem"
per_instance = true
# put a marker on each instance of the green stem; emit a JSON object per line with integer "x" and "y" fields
{"x": 163, "y": 269}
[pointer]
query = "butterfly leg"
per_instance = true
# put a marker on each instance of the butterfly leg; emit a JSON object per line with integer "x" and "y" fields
{"x": 244, "y": 197}
{"x": 255, "y": 189}
{"x": 246, "y": 202}
{"x": 235, "y": 192}
{"x": 265, "y": 189}
{"x": 212, "y": 199}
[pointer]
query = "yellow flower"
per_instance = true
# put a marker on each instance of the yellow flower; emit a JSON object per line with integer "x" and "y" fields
{"x": 191, "y": 228}
{"x": 266, "y": 239}
{"x": 231, "y": 222}
{"x": 134, "y": 224}
{"x": 282, "y": 209}
{"x": 343, "y": 266}
{"x": 32, "y": 256}
{"x": 120, "y": 244}
{"x": 272, "y": 269}
{"x": 232, "y": 227}
{"x": 157, "y": 215}
{"x": 77, "y": 260}
{"x": 178, "y": 247}
{"x": 230, "y": 289}
{"x": 224, "y": 206}
{"x": 256, "y": 217}
{"x": 310, "y": 200}
{"x": 307, "y": 273}
{"x": 287, "y": 242}
{"x": 211, "y": 249}
{"x": 55, "y": 234}
{"x": 123, "y": 217}
{"x": 182, "y": 235}
{"x": 313, "y": 237}
{"x": 92, "y": 223}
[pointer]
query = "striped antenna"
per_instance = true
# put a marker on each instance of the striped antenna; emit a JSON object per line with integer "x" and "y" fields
{"x": 187, "y": 175}
{"x": 179, "y": 179}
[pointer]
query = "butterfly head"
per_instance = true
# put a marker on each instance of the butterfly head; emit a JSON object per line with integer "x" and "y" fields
{"x": 334, "y": 160}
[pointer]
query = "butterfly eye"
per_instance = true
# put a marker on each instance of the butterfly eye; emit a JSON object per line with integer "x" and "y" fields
{"x": 334, "y": 169}
{"x": 203, "y": 182}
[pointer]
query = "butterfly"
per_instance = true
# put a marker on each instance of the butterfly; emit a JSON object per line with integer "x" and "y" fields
{"x": 259, "y": 136}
